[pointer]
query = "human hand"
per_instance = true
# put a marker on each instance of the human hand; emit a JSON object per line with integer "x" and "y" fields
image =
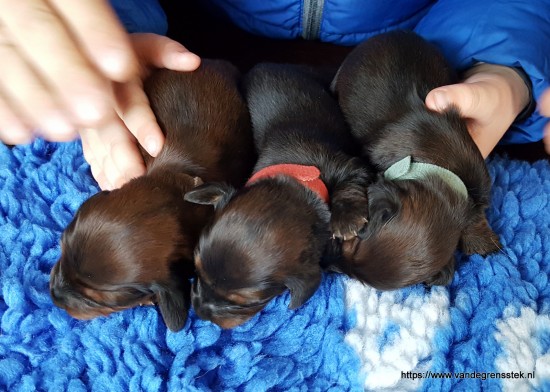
{"x": 58, "y": 61}
{"x": 111, "y": 150}
{"x": 490, "y": 98}
{"x": 544, "y": 107}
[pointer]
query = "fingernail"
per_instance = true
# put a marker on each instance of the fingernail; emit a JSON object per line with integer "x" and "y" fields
{"x": 188, "y": 61}
{"x": 57, "y": 129}
{"x": 112, "y": 62}
{"x": 16, "y": 136}
{"x": 57, "y": 124}
{"x": 152, "y": 145}
{"x": 441, "y": 100}
{"x": 88, "y": 112}
{"x": 117, "y": 64}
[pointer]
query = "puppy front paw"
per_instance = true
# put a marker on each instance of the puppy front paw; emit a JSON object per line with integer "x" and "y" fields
{"x": 348, "y": 219}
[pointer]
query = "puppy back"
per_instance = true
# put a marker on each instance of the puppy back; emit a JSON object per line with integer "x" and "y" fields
{"x": 284, "y": 97}
{"x": 205, "y": 120}
{"x": 382, "y": 86}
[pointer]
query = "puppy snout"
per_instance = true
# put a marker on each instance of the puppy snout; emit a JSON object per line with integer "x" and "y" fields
{"x": 57, "y": 291}
{"x": 204, "y": 308}
{"x": 57, "y": 294}
{"x": 208, "y": 306}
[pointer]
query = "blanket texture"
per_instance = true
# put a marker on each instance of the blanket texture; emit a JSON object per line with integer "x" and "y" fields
{"x": 489, "y": 330}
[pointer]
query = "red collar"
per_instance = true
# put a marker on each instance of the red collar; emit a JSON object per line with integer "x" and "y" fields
{"x": 309, "y": 176}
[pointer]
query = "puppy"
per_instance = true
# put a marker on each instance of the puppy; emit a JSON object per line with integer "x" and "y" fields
{"x": 135, "y": 245}
{"x": 268, "y": 237}
{"x": 433, "y": 188}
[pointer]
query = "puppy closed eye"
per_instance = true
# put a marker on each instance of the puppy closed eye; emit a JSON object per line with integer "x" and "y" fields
{"x": 238, "y": 299}
{"x": 382, "y": 211}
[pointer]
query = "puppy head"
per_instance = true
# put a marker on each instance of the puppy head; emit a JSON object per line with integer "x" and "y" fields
{"x": 411, "y": 237}
{"x": 266, "y": 238}
{"x": 127, "y": 247}
{"x": 453, "y": 149}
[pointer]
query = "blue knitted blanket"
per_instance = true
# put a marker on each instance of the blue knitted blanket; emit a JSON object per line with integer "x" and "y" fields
{"x": 489, "y": 330}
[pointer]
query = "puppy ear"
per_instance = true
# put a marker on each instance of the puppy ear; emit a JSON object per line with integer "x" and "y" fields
{"x": 303, "y": 287}
{"x": 173, "y": 303}
{"x": 215, "y": 194}
{"x": 443, "y": 277}
{"x": 478, "y": 238}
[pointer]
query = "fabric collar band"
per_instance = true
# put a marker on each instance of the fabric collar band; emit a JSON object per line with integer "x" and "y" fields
{"x": 309, "y": 176}
{"x": 406, "y": 169}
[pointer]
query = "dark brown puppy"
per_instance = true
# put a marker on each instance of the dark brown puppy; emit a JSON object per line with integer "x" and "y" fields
{"x": 419, "y": 214}
{"x": 269, "y": 236}
{"x": 135, "y": 244}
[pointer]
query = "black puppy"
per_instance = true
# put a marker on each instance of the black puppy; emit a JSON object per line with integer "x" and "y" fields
{"x": 434, "y": 187}
{"x": 135, "y": 245}
{"x": 269, "y": 236}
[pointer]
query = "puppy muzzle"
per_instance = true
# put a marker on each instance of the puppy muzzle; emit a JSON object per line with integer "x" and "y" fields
{"x": 212, "y": 307}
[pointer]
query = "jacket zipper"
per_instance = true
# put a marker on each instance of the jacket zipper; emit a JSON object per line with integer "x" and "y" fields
{"x": 312, "y": 13}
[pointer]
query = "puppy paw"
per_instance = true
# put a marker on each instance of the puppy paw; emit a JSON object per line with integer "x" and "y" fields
{"x": 347, "y": 221}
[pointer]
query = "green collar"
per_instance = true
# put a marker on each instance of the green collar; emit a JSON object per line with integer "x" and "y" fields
{"x": 406, "y": 169}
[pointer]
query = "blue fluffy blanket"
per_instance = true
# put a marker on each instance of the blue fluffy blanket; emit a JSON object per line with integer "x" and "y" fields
{"x": 489, "y": 330}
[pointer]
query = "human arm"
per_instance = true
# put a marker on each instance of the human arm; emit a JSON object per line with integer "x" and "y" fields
{"x": 511, "y": 34}
{"x": 490, "y": 97}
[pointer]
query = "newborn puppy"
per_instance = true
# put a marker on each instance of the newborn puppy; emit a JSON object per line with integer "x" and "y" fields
{"x": 135, "y": 245}
{"x": 268, "y": 237}
{"x": 433, "y": 187}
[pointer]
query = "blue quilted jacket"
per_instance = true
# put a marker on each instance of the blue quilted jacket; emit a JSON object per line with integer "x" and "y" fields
{"x": 507, "y": 32}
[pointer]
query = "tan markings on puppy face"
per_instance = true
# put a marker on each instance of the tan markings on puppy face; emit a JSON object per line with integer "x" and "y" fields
{"x": 244, "y": 297}
{"x": 88, "y": 315}
{"x": 198, "y": 263}
{"x": 229, "y": 323}
{"x": 92, "y": 294}
{"x": 200, "y": 271}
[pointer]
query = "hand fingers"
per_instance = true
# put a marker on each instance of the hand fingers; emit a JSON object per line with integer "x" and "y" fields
{"x": 466, "y": 97}
{"x": 43, "y": 40}
{"x": 137, "y": 115}
{"x": 102, "y": 37}
{"x": 132, "y": 103}
{"x": 162, "y": 52}
{"x": 96, "y": 166}
{"x": 480, "y": 105}
{"x": 29, "y": 97}
{"x": 113, "y": 155}
{"x": 12, "y": 129}
{"x": 125, "y": 155}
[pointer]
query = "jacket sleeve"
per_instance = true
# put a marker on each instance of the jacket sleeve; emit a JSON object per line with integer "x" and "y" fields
{"x": 506, "y": 32}
{"x": 141, "y": 16}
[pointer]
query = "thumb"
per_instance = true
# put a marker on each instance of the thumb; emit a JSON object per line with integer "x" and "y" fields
{"x": 464, "y": 96}
{"x": 162, "y": 52}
